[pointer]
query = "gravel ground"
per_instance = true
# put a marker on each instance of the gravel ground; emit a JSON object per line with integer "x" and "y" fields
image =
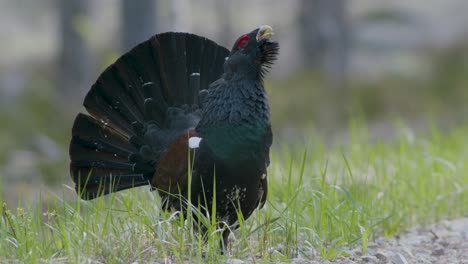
{"x": 444, "y": 242}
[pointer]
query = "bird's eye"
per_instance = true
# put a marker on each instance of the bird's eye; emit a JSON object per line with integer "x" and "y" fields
{"x": 243, "y": 41}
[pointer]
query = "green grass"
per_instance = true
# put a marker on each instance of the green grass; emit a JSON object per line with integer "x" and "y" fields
{"x": 322, "y": 202}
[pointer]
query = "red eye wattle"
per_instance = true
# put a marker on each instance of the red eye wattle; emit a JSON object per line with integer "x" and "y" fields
{"x": 242, "y": 41}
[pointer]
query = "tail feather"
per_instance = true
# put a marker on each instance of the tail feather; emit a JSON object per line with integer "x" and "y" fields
{"x": 137, "y": 106}
{"x": 171, "y": 67}
{"x": 88, "y": 132}
{"x": 98, "y": 154}
{"x": 207, "y": 68}
{"x": 90, "y": 187}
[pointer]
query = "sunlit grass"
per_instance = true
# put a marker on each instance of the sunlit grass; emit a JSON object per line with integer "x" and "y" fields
{"x": 322, "y": 202}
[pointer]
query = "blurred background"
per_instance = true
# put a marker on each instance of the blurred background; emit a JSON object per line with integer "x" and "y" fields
{"x": 375, "y": 61}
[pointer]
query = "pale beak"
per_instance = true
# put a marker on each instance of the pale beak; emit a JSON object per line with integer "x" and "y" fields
{"x": 264, "y": 32}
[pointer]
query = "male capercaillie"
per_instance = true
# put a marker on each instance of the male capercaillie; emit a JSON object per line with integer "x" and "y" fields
{"x": 173, "y": 94}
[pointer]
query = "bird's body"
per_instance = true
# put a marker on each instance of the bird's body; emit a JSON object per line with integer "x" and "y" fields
{"x": 174, "y": 101}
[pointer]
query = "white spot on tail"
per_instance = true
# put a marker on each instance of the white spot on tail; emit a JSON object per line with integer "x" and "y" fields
{"x": 194, "y": 142}
{"x": 195, "y": 74}
{"x": 263, "y": 176}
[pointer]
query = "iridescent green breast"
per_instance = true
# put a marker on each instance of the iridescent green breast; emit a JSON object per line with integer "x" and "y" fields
{"x": 236, "y": 142}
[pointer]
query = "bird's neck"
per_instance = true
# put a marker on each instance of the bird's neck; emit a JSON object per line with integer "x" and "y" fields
{"x": 249, "y": 74}
{"x": 236, "y": 118}
{"x": 235, "y": 70}
{"x": 234, "y": 102}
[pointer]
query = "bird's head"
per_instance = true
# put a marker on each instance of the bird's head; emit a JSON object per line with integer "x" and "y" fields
{"x": 252, "y": 54}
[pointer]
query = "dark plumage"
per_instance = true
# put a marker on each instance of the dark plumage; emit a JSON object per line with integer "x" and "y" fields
{"x": 172, "y": 93}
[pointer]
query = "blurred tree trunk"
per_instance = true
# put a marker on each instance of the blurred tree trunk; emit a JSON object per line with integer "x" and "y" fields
{"x": 138, "y": 22}
{"x": 325, "y": 37}
{"x": 223, "y": 9}
{"x": 74, "y": 61}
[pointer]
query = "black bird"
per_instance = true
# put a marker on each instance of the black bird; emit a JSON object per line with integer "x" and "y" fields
{"x": 175, "y": 94}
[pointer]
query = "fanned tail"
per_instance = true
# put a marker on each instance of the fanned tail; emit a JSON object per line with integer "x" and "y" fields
{"x": 137, "y": 107}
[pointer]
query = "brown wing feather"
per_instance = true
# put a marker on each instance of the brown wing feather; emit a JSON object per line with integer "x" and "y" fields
{"x": 171, "y": 174}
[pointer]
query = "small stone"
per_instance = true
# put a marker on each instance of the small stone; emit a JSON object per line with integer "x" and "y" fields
{"x": 341, "y": 259}
{"x": 438, "y": 252}
{"x": 301, "y": 261}
{"x": 234, "y": 261}
{"x": 355, "y": 252}
{"x": 161, "y": 261}
{"x": 444, "y": 243}
{"x": 373, "y": 245}
{"x": 407, "y": 252}
{"x": 399, "y": 259}
{"x": 381, "y": 257}
{"x": 369, "y": 259}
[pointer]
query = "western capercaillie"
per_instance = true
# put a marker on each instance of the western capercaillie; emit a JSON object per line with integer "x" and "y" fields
{"x": 175, "y": 94}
